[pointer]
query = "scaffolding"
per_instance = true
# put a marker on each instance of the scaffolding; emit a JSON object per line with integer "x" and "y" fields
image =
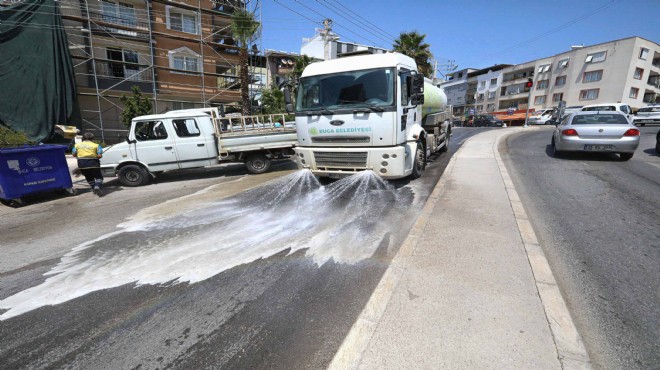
{"x": 180, "y": 54}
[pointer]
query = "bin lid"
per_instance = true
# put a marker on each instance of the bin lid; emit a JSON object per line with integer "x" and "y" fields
{"x": 33, "y": 148}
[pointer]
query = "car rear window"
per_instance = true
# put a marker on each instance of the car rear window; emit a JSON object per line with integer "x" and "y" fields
{"x": 603, "y": 108}
{"x": 600, "y": 119}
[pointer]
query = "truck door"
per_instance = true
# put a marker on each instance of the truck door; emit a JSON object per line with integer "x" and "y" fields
{"x": 154, "y": 145}
{"x": 192, "y": 148}
{"x": 405, "y": 112}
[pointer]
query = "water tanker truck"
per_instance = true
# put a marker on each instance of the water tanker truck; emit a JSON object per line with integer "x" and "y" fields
{"x": 369, "y": 112}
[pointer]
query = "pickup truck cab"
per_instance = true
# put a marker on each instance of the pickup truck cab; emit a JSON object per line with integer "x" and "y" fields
{"x": 196, "y": 138}
{"x": 611, "y": 107}
{"x": 650, "y": 114}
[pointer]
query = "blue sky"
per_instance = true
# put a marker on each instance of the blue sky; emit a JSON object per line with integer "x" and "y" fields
{"x": 474, "y": 34}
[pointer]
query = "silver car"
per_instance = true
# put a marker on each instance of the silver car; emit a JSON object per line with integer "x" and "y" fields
{"x": 596, "y": 131}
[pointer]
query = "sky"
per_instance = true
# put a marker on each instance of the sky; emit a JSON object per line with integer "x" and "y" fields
{"x": 472, "y": 34}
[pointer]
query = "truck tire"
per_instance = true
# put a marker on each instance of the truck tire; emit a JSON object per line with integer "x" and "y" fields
{"x": 133, "y": 175}
{"x": 447, "y": 138}
{"x": 257, "y": 163}
{"x": 418, "y": 162}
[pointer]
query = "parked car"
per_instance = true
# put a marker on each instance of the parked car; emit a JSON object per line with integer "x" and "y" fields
{"x": 611, "y": 107}
{"x": 647, "y": 115}
{"x": 487, "y": 120}
{"x": 596, "y": 131}
{"x": 541, "y": 117}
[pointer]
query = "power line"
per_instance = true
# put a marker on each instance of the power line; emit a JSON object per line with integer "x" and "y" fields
{"x": 364, "y": 19}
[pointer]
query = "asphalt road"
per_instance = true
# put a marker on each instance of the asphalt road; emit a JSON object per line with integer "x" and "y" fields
{"x": 207, "y": 268}
{"x": 598, "y": 220}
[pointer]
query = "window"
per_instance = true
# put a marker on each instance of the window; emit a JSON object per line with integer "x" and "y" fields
{"x": 562, "y": 63}
{"x": 544, "y": 68}
{"x": 482, "y": 84}
{"x": 185, "y": 127}
{"x": 591, "y": 94}
{"x": 490, "y": 107}
{"x": 180, "y": 21}
{"x": 644, "y": 53}
{"x": 124, "y": 64}
{"x": 459, "y": 99}
{"x": 184, "y": 59}
{"x": 596, "y": 57}
{"x": 491, "y": 94}
{"x": 541, "y": 84}
{"x": 633, "y": 93}
{"x": 480, "y": 108}
{"x": 639, "y": 72}
{"x": 556, "y": 98}
{"x": 480, "y": 97}
{"x": 600, "y": 119}
{"x": 560, "y": 81}
{"x": 460, "y": 75}
{"x": 539, "y": 100}
{"x": 150, "y": 130}
{"x": 592, "y": 76}
{"x": 493, "y": 81}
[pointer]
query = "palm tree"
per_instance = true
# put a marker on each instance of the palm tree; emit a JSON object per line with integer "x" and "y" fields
{"x": 243, "y": 27}
{"x": 412, "y": 44}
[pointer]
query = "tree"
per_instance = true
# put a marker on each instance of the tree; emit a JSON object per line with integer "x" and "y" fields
{"x": 12, "y": 138}
{"x": 272, "y": 99}
{"x": 412, "y": 44}
{"x": 294, "y": 76}
{"x": 243, "y": 27}
{"x": 134, "y": 106}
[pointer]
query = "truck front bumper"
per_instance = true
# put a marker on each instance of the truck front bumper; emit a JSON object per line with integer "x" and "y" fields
{"x": 389, "y": 162}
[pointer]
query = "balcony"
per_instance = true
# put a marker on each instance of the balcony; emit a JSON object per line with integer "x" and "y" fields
{"x": 654, "y": 81}
{"x": 126, "y": 26}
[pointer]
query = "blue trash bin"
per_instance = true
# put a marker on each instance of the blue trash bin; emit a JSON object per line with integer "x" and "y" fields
{"x": 32, "y": 169}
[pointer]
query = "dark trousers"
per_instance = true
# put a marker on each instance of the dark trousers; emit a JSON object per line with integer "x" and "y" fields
{"x": 91, "y": 169}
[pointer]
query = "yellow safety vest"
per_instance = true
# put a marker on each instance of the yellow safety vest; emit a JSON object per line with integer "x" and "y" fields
{"x": 86, "y": 149}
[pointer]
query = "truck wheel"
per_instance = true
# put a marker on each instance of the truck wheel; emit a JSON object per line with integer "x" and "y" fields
{"x": 418, "y": 162}
{"x": 133, "y": 175}
{"x": 447, "y": 138}
{"x": 257, "y": 163}
{"x": 14, "y": 203}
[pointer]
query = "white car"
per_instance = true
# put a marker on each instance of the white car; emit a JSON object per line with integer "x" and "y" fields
{"x": 610, "y": 107}
{"x": 541, "y": 117}
{"x": 646, "y": 115}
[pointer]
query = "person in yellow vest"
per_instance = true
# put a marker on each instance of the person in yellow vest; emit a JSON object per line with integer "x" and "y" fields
{"x": 89, "y": 154}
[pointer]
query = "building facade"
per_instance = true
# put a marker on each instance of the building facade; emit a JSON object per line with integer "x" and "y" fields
{"x": 180, "y": 54}
{"x": 325, "y": 45}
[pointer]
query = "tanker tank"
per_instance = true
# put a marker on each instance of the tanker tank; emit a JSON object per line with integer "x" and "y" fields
{"x": 435, "y": 99}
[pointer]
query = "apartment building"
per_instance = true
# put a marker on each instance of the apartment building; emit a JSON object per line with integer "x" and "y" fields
{"x": 486, "y": 83}
{"x": 325, "y": 45}
{"x": 621, "y": 71}
{"x": 180, "y": 54}
{"x": 456, "y": 90}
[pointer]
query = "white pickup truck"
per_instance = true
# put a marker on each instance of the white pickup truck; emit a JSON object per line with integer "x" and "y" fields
{"x": 197, "y": 138}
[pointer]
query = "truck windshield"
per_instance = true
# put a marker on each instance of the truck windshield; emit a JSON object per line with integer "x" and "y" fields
{"x": 346, "y": 90}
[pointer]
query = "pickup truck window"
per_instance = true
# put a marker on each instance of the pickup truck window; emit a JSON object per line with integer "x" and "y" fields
{"x": 150, "y": 130}
{"x": 185, "y": 127}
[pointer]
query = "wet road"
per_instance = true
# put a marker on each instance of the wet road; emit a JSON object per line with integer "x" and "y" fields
{"x": 598, "y": 221}
{"x": 273, "y": 277}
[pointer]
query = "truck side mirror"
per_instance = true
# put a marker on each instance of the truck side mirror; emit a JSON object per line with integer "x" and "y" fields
{"x": 417, "y": 84}
{"x": 287, "y": 100}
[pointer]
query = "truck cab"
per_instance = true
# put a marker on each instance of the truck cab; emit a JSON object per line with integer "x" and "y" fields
{"x": 162, "y": 142}
{"x": 360, "y": 113}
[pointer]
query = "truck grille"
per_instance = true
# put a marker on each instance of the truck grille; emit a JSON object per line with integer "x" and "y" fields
{"x": 341, "y": 159}
{"x": 341, "y": 139}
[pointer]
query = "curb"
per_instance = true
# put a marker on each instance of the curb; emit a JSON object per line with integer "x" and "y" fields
{"x": 570, "y": 348}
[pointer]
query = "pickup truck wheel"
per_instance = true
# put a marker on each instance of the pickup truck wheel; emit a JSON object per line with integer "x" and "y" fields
{"x": 133, "y": 175}
{"x": 257, "y": 163}
{"x": 418, "y": 162}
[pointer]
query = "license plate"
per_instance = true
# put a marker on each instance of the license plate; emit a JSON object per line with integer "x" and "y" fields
{"x": 598, "y": 147}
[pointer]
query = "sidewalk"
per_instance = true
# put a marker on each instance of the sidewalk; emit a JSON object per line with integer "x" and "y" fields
{"x": 470, "y": 287}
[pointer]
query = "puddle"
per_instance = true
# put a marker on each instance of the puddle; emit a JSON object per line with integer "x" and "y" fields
{"x": 345, "y": 222}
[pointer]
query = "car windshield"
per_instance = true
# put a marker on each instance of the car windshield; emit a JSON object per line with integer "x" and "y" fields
{"x": 601, "y": 108}
{"x": 599, "y": 119}
{"x": 346, "y": 90}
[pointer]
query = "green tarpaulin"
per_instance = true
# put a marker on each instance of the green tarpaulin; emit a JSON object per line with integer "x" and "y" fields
{"x": 37, "y": 84}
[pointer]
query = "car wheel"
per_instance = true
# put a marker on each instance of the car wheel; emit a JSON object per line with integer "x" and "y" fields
{"x": 625, "y": 156}
{"x": 257, "y": 163}
{"x": 133, "y": 175}
{"x": 418, "y": 162}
